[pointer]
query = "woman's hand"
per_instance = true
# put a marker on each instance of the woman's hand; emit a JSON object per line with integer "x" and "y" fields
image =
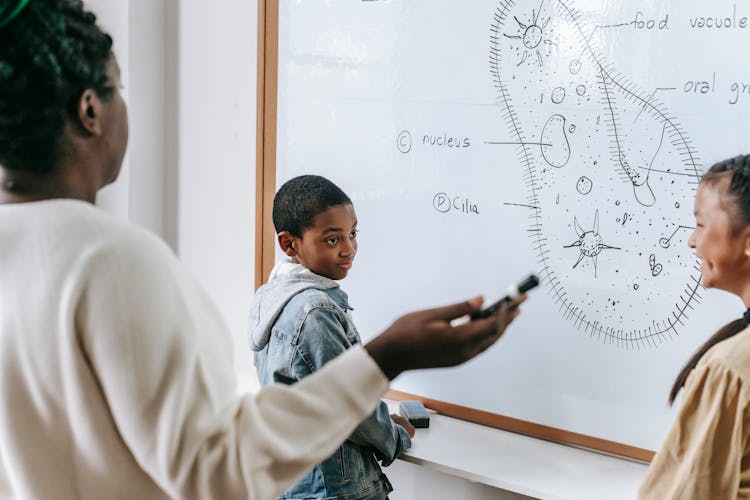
{"x": 426, "y": 339}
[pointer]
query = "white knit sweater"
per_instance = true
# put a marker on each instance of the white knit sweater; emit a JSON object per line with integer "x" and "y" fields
{"x": 116, "y": 377}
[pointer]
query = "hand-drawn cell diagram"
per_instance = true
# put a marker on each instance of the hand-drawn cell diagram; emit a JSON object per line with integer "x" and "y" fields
{"x": 610, "y": 176}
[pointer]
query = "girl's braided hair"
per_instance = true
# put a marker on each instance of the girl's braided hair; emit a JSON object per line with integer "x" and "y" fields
{"x": 736, "y": 201}
{"x": 50, "y": 52}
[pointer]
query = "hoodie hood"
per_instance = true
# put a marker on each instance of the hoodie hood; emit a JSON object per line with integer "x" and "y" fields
{"x": 287, "y": 279}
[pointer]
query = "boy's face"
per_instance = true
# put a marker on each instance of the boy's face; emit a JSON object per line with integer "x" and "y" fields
{"x": 329, "y": 246}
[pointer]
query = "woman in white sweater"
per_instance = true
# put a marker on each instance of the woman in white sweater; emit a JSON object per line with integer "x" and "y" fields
{"x": 116, "y": 373}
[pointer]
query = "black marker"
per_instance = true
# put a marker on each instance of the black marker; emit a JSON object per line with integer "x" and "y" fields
{"x": 523, "y": 287}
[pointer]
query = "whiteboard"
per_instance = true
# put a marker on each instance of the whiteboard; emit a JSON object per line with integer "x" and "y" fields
{"x": 483, "y": 140}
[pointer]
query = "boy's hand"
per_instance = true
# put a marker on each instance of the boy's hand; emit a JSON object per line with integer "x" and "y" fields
{"x": 404, "y": 422}
{"x": 426, "y": 339}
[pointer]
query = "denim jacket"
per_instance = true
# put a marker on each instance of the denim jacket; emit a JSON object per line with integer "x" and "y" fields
{"x": 298, "y": 322}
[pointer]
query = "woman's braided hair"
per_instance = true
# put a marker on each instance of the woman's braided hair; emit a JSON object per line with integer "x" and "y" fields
{"x": 736, "y": 201}
{"x": 50, "y": 52}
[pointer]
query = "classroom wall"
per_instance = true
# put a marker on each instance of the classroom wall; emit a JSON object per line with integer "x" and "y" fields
{"x": 143, "y": 41}
{"x": 189, "y": 74}
{"x": 216, "y": 154}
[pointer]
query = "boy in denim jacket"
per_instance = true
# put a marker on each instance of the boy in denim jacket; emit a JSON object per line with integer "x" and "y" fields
{"x": 300, "y": 320}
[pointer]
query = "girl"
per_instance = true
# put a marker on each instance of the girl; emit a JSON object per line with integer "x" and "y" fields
{"x": 706, "y": 453}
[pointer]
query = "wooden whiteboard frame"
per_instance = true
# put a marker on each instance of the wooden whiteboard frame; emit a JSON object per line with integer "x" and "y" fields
{"x": 265, "y": 240}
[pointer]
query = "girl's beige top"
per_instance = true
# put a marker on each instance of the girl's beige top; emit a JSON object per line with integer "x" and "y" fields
{"x": 705, "y": 454}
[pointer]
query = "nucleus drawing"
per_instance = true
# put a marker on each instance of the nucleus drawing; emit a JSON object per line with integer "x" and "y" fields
{"x": 610, "y": 173}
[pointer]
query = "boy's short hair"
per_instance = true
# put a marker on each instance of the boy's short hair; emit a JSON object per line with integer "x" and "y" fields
{"x": 300, "y": 199}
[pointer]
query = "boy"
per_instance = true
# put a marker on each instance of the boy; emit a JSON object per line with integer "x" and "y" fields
{"x": 300, "y": 320}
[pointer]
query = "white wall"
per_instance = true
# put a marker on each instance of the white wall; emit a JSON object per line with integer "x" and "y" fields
{"x": 142, "y": 41}
{"x": 149, "y": 50}
{"x": 189, "y": 75}
{"x": 216, "y": 154}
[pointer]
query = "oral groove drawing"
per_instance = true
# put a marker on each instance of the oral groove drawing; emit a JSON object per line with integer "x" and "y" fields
{"x": 595, "y": 146}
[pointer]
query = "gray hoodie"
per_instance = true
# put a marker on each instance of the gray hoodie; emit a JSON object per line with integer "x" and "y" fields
{"x": 287, "y": 279}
